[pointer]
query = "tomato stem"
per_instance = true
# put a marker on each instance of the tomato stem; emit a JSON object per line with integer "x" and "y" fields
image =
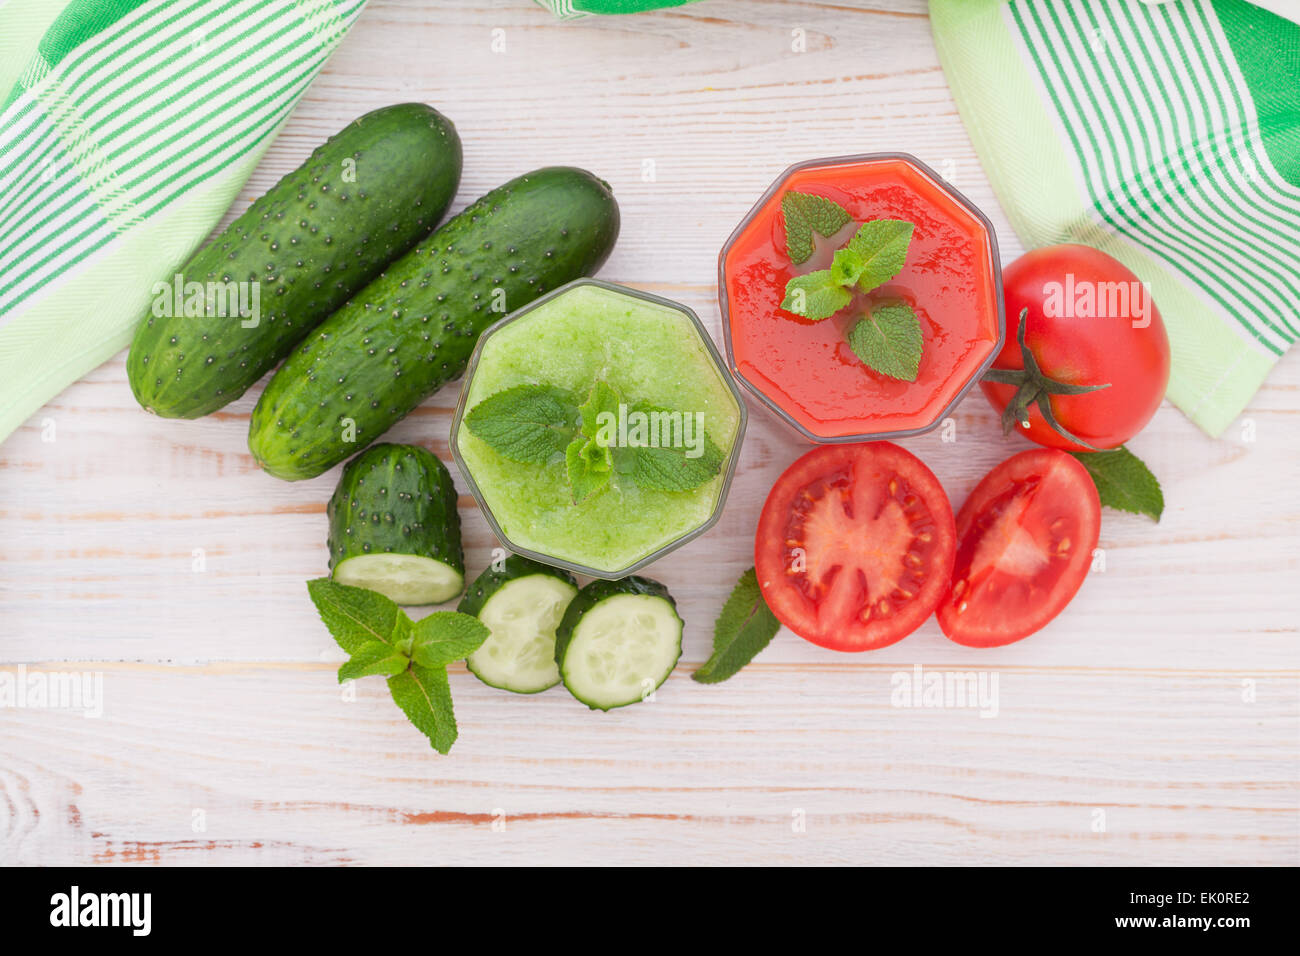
{"x": 1033, "y": 387}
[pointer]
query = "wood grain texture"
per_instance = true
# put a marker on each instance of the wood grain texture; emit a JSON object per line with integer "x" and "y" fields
{"x": 1166, "y": 698}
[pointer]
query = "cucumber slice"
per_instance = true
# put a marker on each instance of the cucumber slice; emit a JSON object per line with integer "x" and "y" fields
{"x": 408, "y": 579}
{"x": 394, "y": 527}
{"x": 618, "y": 642}
{"x": 522, "y": 605}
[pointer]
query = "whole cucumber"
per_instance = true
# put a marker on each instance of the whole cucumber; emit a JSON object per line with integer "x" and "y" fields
{"x": 413, "y": 329}
{"x": 362, "y": 199}
{"x": 394, "y": 527}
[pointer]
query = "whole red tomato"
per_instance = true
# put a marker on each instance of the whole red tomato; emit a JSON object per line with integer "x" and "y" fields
{"x": 1097, "y": 341}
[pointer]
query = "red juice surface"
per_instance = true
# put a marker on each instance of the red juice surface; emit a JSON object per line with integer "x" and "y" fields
{"x": 806, "y": 367}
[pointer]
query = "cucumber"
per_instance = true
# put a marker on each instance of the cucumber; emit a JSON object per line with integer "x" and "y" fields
{"x": 413, "y": 329}
{"x": 362, "y": 199}
{"x": 522, "y": 605}
{"x": 618, "y": 641}
{"x": 394, "y": 527}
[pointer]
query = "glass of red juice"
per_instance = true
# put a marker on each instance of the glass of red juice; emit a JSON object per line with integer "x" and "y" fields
{"x": 804, "y": 370}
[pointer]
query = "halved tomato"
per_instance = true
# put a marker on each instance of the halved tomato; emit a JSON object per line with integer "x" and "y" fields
{"x": 855, "y": 545}
{"x": 1025, "y": 538}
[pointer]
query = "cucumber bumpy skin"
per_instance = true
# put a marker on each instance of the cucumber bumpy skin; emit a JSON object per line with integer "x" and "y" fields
{"x": 588, "y": 599}
{"x": 413, "y": 329}
{"x": 506, "y": 627}
{"x": 394, "y": 527}
{"x": 363, "y": 198}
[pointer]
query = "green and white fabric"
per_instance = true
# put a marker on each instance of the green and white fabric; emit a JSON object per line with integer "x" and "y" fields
{"x": 1165, "y": 133}
{"x": 568, "y": 9}
{"x": 127, "y": 129}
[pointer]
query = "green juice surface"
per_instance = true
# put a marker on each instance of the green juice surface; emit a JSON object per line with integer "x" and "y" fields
{"x": 650, "y": 353}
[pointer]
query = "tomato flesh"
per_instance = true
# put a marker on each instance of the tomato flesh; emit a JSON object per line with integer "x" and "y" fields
{"x": 1025, "y": 538}
{"x": 854, "y": 545}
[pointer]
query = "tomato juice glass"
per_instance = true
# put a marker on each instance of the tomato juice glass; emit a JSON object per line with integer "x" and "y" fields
{"x": 804, "y": 370}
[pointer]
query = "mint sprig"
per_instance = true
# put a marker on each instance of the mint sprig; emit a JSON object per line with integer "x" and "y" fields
{"x": 1124, "y": 482}
{"x": 603, "y": 439}
{"x": 875, "y": 254}
{"x": 888, "y": 340}
{"x": 804, "y": 214}
{"x": 745, "y": 627}
{"x": 384, "y": 642}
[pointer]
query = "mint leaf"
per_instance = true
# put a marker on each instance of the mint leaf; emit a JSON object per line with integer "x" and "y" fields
{"x": 354, "y": 616}
{"x": 805, "y": 214}
{"x": 446, "y": 636}
{"x": 526, "y": 423}
{"x": 744, "y": 628}
{"x": 671, "y": 468}
{"x": 424, "y": 695}
{"x": 374, "y": 658}
{"x": 815, "y": 295}
{"x": 888, "y": 339}
{"x": 882, "y": 246}
{"x": 588, "y": 466}
{"x": 1124, "y": 482}
{"x": 602, "y": 400}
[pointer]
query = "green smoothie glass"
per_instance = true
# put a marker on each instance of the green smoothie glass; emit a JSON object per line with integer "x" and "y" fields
{"x": 653, "y": 354}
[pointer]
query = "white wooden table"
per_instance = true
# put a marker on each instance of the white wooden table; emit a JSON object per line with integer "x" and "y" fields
{"x": 1156, "y": 721}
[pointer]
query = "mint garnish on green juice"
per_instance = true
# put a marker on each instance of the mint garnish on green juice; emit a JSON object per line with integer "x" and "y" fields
{"x": 602, "y": 438}
{"x": 887, "y": 338}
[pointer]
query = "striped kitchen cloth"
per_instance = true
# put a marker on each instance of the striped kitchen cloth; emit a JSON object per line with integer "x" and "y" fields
{"x": 127, "y": 129}
{"x": 1166, "y": 133}
{"x": 568, "y": 9}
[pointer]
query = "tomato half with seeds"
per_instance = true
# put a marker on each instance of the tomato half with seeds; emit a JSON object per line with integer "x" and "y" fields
{"x": 855, "y": 545}
{"x": 1025, "y": 538}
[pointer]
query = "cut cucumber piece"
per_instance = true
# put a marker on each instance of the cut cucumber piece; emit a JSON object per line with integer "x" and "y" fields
{"x": 394, "y": 527}
{"x": 522, "y": 605}
{"x": 618, "y": 641}
{"x": 408, "y": 579}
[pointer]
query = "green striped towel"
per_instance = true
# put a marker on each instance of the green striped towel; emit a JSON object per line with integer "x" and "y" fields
{"x": 568, "y": 9}
{"x": 128, "y": 128}
{"x": 1165, "y": 133}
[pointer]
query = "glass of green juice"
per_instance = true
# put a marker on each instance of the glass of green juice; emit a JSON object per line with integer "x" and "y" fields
{"x": 611, "y": 434}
